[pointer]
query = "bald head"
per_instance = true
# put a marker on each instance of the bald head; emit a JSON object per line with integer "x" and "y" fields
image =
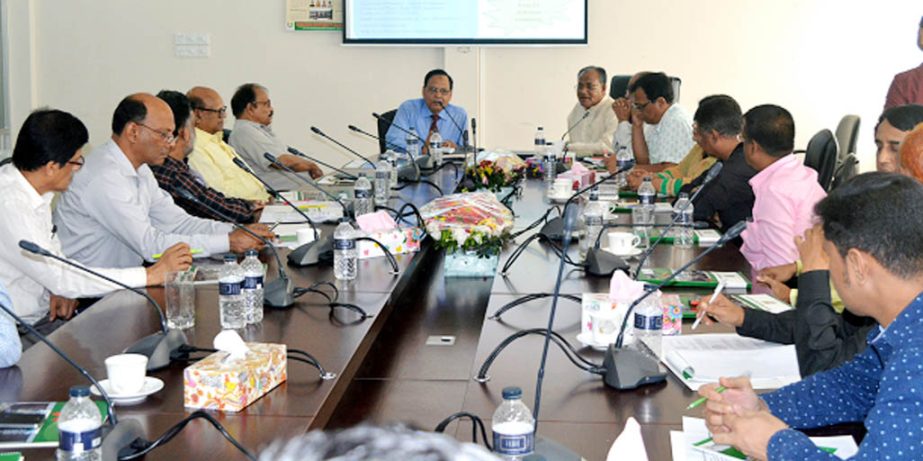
{"x": 143, "y": 128}
{"x": 208, "y": 107}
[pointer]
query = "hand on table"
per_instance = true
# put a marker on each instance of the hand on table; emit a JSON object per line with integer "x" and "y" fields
{"x": 750, "y": 432}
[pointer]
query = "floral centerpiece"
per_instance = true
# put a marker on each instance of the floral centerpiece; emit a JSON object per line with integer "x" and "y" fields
{"x": 493, "y": 175}
{"x": 472, "y": 228}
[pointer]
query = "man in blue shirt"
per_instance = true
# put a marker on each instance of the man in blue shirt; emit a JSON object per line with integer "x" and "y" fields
{"x": 429, "y": 114}
{"x": 871, "y": 229}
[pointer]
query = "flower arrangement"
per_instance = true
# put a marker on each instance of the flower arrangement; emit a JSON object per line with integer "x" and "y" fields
{"x": 492, "y": 175}
{"x": 468, "y": 222}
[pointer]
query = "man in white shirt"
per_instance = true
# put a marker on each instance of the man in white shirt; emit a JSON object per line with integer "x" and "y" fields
{"x": 47, "y": 153}
{"x": 661, "y": 133}
{"x": 252, "y": 137}
{"x": 115, "y": 214}
{"x": 591, "y": 123}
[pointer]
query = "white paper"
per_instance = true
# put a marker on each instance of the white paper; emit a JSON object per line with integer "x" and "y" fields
{"x": 288, "y": 235}
{"x": 732, "y": 280}
{"x": 695, "y": 431}
{"x": 707, "y": 236}
{"x": 318, "y": 211}
{"x": 769, "y": 365}
{"x": 629, "y": 444}
{"x": 765, "y": 302}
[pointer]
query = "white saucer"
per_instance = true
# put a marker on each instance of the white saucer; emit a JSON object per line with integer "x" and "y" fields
{"x": 558, "y": 198}
{"x": 587, "y": 340}
{"x": 151, "y": 385}
{"x": 634, "y": 252}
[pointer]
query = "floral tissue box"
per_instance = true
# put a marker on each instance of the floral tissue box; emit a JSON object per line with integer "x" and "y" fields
{"x": 398, "y": 241}
{"x": 215, "y": 383}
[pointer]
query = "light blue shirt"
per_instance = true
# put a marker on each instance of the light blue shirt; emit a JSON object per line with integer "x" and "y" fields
{"x": 414, "y": 113}
{"x": 10, "y": 346}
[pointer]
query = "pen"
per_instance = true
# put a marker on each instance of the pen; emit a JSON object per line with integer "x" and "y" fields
{"x": 274, "y": 225}
{"x": 702, "y": 400}
{"x": 194, "y": 251}
{"x": 718, "y": 290}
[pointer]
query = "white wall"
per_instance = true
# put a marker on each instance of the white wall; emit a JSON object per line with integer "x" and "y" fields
{"x": 818, "y": 58}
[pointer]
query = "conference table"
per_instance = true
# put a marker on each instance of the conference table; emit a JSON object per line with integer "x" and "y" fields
{"x": 386, "y": 369}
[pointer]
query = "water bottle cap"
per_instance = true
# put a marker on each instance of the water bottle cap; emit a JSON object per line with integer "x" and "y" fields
{"x": 512, "y": 392}
{"x": 251, "y": 252}
{"x": 79, "y": 391}
{"x": 230, "y": 258}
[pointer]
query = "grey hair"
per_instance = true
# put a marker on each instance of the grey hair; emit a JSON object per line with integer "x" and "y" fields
{"x": 601, "y": 72}
{"x": 364, "y": 442}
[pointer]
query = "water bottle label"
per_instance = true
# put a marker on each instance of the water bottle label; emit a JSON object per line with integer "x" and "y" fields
{"x": 229, "y": 289}
{"x": 645, "y": 322}
{"x": 593, "y": 220}
{"x": 363, "y": 193}
{"x": 514, "y": 445}
{"x": 253, "y": 283}
{"x": 622, "y": 163}
{"x": 79, "y": 442}
{"x": 540, "y": 142}
{"x": 344, "y": 244}
{"x": 646, "y": 199}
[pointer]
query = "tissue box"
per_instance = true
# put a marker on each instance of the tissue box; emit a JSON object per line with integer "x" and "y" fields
{"x": 588, "y": 177}
{"x": 398, "y": 241}
{"x": 214, "y": 384}
{"x": 672, "y": 314}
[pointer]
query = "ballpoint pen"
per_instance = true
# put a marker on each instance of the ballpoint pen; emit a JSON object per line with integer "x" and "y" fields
{"x": 193, "y": 251}
{"x": 714, "y": 296}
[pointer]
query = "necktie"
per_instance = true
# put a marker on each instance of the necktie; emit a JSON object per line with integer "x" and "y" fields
{"x": 434, "y": 127}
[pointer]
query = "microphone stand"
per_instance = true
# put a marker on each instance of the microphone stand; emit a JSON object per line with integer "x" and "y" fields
{"x": 320, "y": 133}
{"x": 585, "y": 115}
{"x": 631, "y": 368}
{"x": 156, "y": 347}
{"x": 310, "y": 253}
{"x": 425, "y": 160}
{"x": 299, "y": 153}
{"x": 415, "y": 176}
{"x": 278, "y": 293}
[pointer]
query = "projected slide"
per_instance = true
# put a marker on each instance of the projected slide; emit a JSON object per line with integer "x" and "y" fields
{"x": 466, "y": 21}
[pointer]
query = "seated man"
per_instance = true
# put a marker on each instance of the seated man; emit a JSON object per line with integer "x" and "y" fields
{"x": 893, "y": 125}
{"x": 114, "y": 214}
{"x": 176, "y": 173}
{"x": 431, "y": 113}
{"x": 10, "y": 346}
{"x": 907, "y": 86}
{"x": 785, "y": 190}
{"x": 871, "y": 228}
{"x": 669, "y": 182}
{"x": 660, "y": 133}
{"x": 252, "y": 137}
{"x": 212, "y": 157}
{"x": 47, "y": 153}
{"x": 591, "y": 123}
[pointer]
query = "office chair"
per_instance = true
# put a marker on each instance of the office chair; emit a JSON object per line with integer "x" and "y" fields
{"x": 383, "y": 124}
{"x": 821, "y": 155}
{"x": 6, "y": 160}
{"x": 618, "y": 85}
{"x": 225, "y": 134}
{"x": 847, "y": 131}
{"x": 847, "y": 169}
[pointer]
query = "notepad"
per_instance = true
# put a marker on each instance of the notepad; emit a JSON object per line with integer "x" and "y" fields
{"x": 764, "y": 302}
{"x": 696, "y": 279}
{"x": 318, "y": 211}
{"x": 712, "y": 356}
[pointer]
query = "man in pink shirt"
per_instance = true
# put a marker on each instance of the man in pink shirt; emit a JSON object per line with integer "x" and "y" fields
{"x": 785, "y": 189}
{"x": 907, "y": 86}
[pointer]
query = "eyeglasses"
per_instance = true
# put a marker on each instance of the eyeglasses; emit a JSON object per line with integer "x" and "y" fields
{"x": 77, "y": 163}
{"x": 223, "y": 110}
{"x": 640, "y": 106}
{"x": 588, "y": 86}
{"x": 439, "y": 91}
{"x": 165, "y": 135}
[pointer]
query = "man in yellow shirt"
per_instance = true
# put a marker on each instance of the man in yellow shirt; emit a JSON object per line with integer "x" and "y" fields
{"x": 212, "y": 157}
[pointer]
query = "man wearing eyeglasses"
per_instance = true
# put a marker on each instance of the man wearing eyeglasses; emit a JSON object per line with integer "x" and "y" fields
{"x": 116, "y": 215}
{"x": 661, "y": 133}
{"x": 212, "y": 157}
{"x": 591, "y": 124}
{"x": 252, "y": 137}
{"x": 430, "y": 114}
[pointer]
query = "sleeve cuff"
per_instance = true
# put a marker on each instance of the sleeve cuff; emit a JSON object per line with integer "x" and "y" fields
{"x": 791, "y": 444}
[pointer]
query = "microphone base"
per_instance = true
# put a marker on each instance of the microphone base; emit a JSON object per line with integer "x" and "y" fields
{"x": 278, "y": 293}
{"x": 554, "y": 230}
{"x": 630, "y": 369}
{"x": 158, "y": 347}
{"x": 426, "y": 162}
{"x": 118, "y": 440}
{"x": 547, "y": 449}
{"x": 311, "y": 253}
{"x": 601, "y": 263}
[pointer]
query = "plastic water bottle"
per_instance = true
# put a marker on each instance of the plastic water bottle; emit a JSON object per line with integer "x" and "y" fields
{"x": 549, "y": 166}
{"x": 362, "y": 196}
{"x": 646, "y": 198}
{"x": 79, "y": 434}
{"x": 649, "y": 322}
{"x": 683, "y": 212}
{"x": 391, "y": 158}
{"x": 539, "y": 141}
{"x": 232, "y": 307}
{"x": 413, "y": 143}
{"x": 593, "y": 221}
{"x": 435, "y": 148}
{"x": 646, "y": 193}
{"x": 382, "y": 182}
{"x": 513, "y": 427}
{"x": 623, "y": 159}
{"x": 254, "y": 276}
{"x": 345, "y": 254}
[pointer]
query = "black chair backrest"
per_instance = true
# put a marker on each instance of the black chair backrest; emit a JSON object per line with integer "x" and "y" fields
{"x": 6, "y": 160}
{"x": 225, "y": 134}
{"x": 846, "y": 134}
{"x": 821, "y": 155}
{"x": 383, "y": 124}
{"x": 847, "y": 169}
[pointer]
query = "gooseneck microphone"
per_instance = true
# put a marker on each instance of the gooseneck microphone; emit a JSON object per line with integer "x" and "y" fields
{"x": 415, "y": 176}
{"x": 158, "y": 346}
{"x": 299, "y": 153}
{"x": 278, "y": 293}
{"x": 709, "y": 177}
{"x": 240, "y": 163}
{"x": 388, "y": 145}
{"x": 320, "y": 133}
{"x": 631, "y": 368}
{"x": 272, "y": 159}
{"x": 585, "y": 115}
{"x": 461, "y": 131}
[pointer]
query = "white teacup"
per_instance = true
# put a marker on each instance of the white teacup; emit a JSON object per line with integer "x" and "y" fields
{"x": 126, "y": 373}
{"x": 605, "y": 326}
{"x": 623, "y": 242}
{"x": 561, "y": 186}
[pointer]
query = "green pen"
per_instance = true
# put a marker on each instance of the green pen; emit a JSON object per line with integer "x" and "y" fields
{"x": 702, "y": 400}
{"x": 194, "y": 251}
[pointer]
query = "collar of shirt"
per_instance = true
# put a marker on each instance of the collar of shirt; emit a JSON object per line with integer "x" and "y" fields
{"x": 781, "y": 165}
{"x": 258, "y": 126}
{"x": 36, "y": 201}
{"x": 112, "y": 151}
{"x": 903, "y": 329}
{"x": 424, "y": 112}
{"x": 206, "y": 137}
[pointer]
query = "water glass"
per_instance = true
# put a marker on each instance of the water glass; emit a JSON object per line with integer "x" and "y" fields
{"x": 180, "y": 294}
